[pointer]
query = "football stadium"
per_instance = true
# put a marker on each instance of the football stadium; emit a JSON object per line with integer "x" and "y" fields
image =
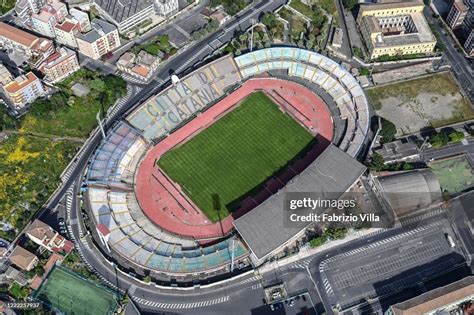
{"x": 193, "y": 180}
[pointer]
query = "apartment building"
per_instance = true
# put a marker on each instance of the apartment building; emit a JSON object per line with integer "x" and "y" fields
{"x": 395, "y": 29}
{"x": 24, "y": 89}
{"x": 469, "y": 44}
{"x": 44, "y": 21}
{"x": 82, "y": 18}
{"x": 60, "y": 65}
{"x": 457, "y": 14}
{"x": 66, "y": 32}
{"x": 125, "y": 17}
{"x": 25, "y": 8}
{"x": 35, "y": 48}
{"x": 101, "y": 39}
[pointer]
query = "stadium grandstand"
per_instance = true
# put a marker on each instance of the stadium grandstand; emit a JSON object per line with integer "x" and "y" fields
{"x": 111, "y": 196}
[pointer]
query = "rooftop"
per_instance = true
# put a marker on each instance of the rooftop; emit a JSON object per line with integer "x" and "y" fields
{"x": 66, "y": 26}
{"x": 99, "y": 29}
{"x": 41, "y": 230}
{"x": 392, "y": 5}
{"x": 422, "y": 33}
{"x": 20, "y": 82}
{"x": 397, "y": 150}
{"x": 264, "y": 228}
{"x": 58, "y": 57}
{"x": 120, "y": 10}
{"x": 437, "y": 298}
{"x": 17, "y": 35}
{"x": 141, "y": 70}
{"x": 22, "y": 258}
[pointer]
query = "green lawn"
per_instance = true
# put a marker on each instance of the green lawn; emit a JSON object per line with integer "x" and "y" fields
{"x": 235, "y": 155}
{"x": 72, "y": 294}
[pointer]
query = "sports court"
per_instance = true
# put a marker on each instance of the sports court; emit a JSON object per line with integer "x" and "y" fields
{"x": 66, "y": 291}
{"x": 168, "y": 205}
{"x": 454, "y": 174}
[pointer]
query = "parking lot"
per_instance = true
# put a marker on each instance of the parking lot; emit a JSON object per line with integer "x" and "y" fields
{"x": 388, "y": 266}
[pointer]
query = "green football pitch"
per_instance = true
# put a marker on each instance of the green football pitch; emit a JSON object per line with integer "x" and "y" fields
{"x": 229, "y": 159}
{"x": 65, "y": 291}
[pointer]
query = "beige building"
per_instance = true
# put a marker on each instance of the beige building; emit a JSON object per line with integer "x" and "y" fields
{"x": 35, "y": 48}
{"x": 395, "y": 29}
{"x": 44, "y": 235}
{"x": 23, "y": 259}
{"x": 101, "y": 39}
{"x": 5, "y": 75}
{"x": 24, "y": 89}
{"x": 141, "y": 66}
{"x": 454, "y": 298}
{"x": 60, "y": 65}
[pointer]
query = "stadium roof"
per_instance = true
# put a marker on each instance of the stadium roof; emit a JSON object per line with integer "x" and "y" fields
{"x": 264, "y": 228}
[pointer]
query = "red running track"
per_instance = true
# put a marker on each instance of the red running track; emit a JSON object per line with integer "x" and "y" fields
{"x": 163, "y": 201}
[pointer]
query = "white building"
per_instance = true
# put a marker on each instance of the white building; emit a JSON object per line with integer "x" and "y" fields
{"x": 103, "y": 38}
{"x": 44, "y": 21}
{"x": 82, "y": 18}
{"x": 25, "y": 8}
{"x": 166, "y": 7}
{"x": 66, "y": 32}
{"x": 60, "y": 65}
{"x": 125, "y": 14}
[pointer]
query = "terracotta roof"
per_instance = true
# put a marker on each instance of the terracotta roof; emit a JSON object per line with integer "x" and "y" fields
{"x": 437, "y": 298}
{"x": 22, "y": 258}
{"x": 141, "y": 70}
{"x": 460, "y": 6}
{"x": 52, "y": 261}
{"x": 17, "y": 35}
{"x": 20, "y": 82}
{"x": 65, "y": 26}
{"x": 35, "y": 284}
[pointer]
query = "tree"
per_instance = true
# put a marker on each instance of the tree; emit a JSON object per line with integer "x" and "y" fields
{"x": 456, "y": 136}
{"x": 439, "y": 140}
{"x": 349, "y": 4}
{"x": 317, "y": 241}
{"x": 97, "y": 85}
{"x": 269, "y": 19}
{"x": 388, "y": 130}
{"x": 377, "y": 162}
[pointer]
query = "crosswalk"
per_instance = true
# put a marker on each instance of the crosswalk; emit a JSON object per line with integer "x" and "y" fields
{"x": 252, "y": 279}
{"x": 198, "y": 304}
{"x": 386, "y": 242}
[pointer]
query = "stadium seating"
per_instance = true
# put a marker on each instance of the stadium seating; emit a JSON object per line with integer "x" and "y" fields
{"x": 131, "y": 241}
{"x": 167, "y": 110}
{"x": 122, "y": 145}
{"x": 330, "y": 76}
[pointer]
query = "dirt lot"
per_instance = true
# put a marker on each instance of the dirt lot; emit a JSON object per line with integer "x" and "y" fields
{"x": 434, "y": 101}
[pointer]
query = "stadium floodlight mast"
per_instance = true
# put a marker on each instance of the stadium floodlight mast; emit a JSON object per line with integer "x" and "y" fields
{"x": 252, "y": 22}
